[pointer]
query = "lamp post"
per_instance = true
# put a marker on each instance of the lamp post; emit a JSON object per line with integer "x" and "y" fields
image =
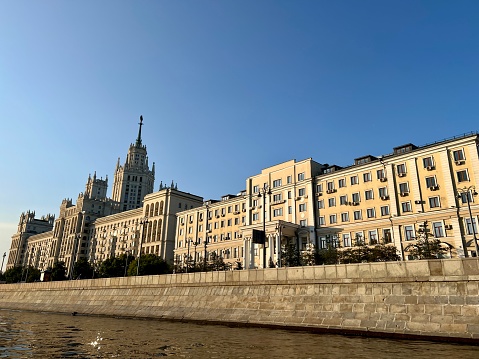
{"x": 28, "y": 264}
{"x": 206, "y": 238}
{"x": 467, "y": 192}
{"x": 3, "y": 260}
{"x": 188, "y": 255}
{"x": 144, "y": 222}
{"x": 194, "y": 260}
{"x": 266, "y": 191}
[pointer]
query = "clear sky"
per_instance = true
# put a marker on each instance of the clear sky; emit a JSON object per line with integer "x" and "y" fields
{"x": 225, "y": 88}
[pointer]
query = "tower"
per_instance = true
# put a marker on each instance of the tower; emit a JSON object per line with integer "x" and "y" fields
{"x": 134, "y": 179}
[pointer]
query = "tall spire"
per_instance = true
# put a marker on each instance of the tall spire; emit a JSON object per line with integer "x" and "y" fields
{"x": 138, "y": 140}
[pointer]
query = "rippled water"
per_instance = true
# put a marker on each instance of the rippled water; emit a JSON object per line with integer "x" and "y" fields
{"x": 47, "y": 335}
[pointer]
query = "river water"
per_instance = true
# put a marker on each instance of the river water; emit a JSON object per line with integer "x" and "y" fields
{"x": 49, "y": 335}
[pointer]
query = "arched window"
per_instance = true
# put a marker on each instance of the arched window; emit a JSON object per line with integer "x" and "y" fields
{"x": 156, "y": 208}
{"x": 161, "y": 208}
{"x": 147, "y": 209}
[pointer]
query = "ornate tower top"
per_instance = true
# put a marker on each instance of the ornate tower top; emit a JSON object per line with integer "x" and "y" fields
{"x": 138, "y": 140}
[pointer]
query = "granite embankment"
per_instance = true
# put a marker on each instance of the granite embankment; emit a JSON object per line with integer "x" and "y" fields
{"x": 435, "y": 299}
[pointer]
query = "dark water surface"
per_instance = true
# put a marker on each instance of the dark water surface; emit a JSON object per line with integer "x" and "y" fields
{"x": 47, "y": 335}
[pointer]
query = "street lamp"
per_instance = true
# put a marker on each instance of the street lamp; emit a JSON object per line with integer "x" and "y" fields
{"x": 3, "y": 260}
{"x": 144, "y": 222}
{"x": 266, "y": 191}
{"x": 466, "y": 191}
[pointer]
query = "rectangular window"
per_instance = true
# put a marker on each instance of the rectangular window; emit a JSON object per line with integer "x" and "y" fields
{"x": 277, "y": 183}
{"x": 277, "y": 197}
{"x": 303, "y": 223}
{"x": 354, "y": 180}
{"x": 255, "y": 189}
{"x": 403, "y": 188}
{"x": 380, "y": 174}
{"x": 438, "y": 229}
{"x": 367, "y": 177}
{"x": 290, "y": 209}
{"x": 471, "y": 228}
{"x": 319, "y": 188}
{"x": 409, "y": 233}
{"x": 342, "y": 183}
{"x": 356, "y": 198}
{"x": 368, "y": 194}
{"x": 345, "y": 217}
{"x": 332, "y": 219}
{"x": 330, "y": 186}
{"x": 301, "y": 176}
{"x": 373, "y": 237}
{"x": 255, "y": 216}
{"x": 301, "y": 192}
{"x": 289, "y": 179}
{"x": 346, "y": 240}
{"x": 321, "y": 204}
{"x": 383, "y": 192}
{"x": 321, "y": 221}
{"x": 332, "y": 202}
{"x": 401, "y": 169}
{"x": 465, "y": 196}
{"x": 384, "y": 210}
{"x": 371, "y": 213}
{"x": 431, "y": 181}
{"x": 229, "y": 222}
{"x": 434, "y": 202}
{"x": 343, "y": 200}
{"x": 406, "y": 206}
{"x": 302, "y": 207}
{"x": 255, "y": 203}
{"x": 387, "y": 235}
{"x": 427, "y": 162}
{"x": 462, "y": 176}
{"x": 289, "y": 194}
{"x": 357, "y": 215}
{"x": 278, "y": 212}
{"x": 458, "y": 155}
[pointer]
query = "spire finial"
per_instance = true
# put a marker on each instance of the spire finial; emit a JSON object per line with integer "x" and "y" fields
{"x": 138, "y": 140}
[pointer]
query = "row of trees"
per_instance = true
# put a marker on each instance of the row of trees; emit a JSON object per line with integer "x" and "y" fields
{"x": 150, "y": 264}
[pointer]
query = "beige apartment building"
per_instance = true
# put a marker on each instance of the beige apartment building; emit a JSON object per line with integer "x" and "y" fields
{"x": 377, "y": 199}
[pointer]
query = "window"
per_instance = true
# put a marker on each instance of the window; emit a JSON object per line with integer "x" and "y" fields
{"x": 343, "y": 199}
{"x": 319, "y": 188}
{"x": 332, "y": 219}
{"x": 462, "y": 176}
{"x": 403, "y": 188}
{"x": 356, "y": 198}
{"x": 330, "y": 186}
{"x": 303, "y": 223}
{"x": 346, "y": 240}
{"x": 277, "y": 183}
{"x": 371, "y": 213}
{"x": 384, "y": 210}
{"x": 401, "y": 169}
{"x": 301, "y": 192}
{"x": 302, "y": 207}
{"x": 373, "y": 237}
{"x": 342, "y": 183}
{"x": 387, "y": 235}
{"x": 301, "y": 176}
{"x": 465, "y": 196}
{"x": 431, "y": 181}
{"x": 345, "y": 217}
{"x": 321, "y": 204}
{"x": 332, "y": 202}
{"x": 406, "y": 206}
{"x": 354, "y": 180}
{"x": 368, "y": 194}
{"x": 383, "y": 192}
{"x": 458, "y": 155}
{"x": 427, "y": 162}
{"x": 255, "y": 204}
{"x": 367, "y": 177}
{"x": 278, "y": 212}
{"x": 290, "y": 209}
{"x": 277, "y": 197}
{"x": 409, "y": 232}
{"x": 289, "y": 194}
{"x": 289, "y": 179}
{"x": 229, "y": 222}
{"x": 357, "y": 215}
{"x": 255, "y": 189}
{"x": 434, "y": 202}
{"x": 255, "y": 216}
{"x": 380, "y": 174}
{"x": 438, "y": 229}
{"x": 321, "y": 221}
{"x": 471, "y": 228}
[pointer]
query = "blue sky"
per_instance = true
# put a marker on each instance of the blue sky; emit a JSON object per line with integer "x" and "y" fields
{"x": 226, "y": 88}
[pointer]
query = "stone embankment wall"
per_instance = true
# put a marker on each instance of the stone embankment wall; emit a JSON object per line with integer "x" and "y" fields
{"x": 437, "y": 298}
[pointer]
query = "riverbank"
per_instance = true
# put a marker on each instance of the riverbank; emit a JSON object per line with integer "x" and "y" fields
{"x": 436, "y": 299}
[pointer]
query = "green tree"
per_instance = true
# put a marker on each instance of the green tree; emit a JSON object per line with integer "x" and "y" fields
{"x": 425, "y": 246}
{"x": 290, "y": 256}
{"x": 13, "y": 275}
{"x": 112, "y": 267}
{"x": 150, "y": 264}
{"x": 58, "y": 271}
{"x": 32, "y": 274}
{"x": 82, "y": 269}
